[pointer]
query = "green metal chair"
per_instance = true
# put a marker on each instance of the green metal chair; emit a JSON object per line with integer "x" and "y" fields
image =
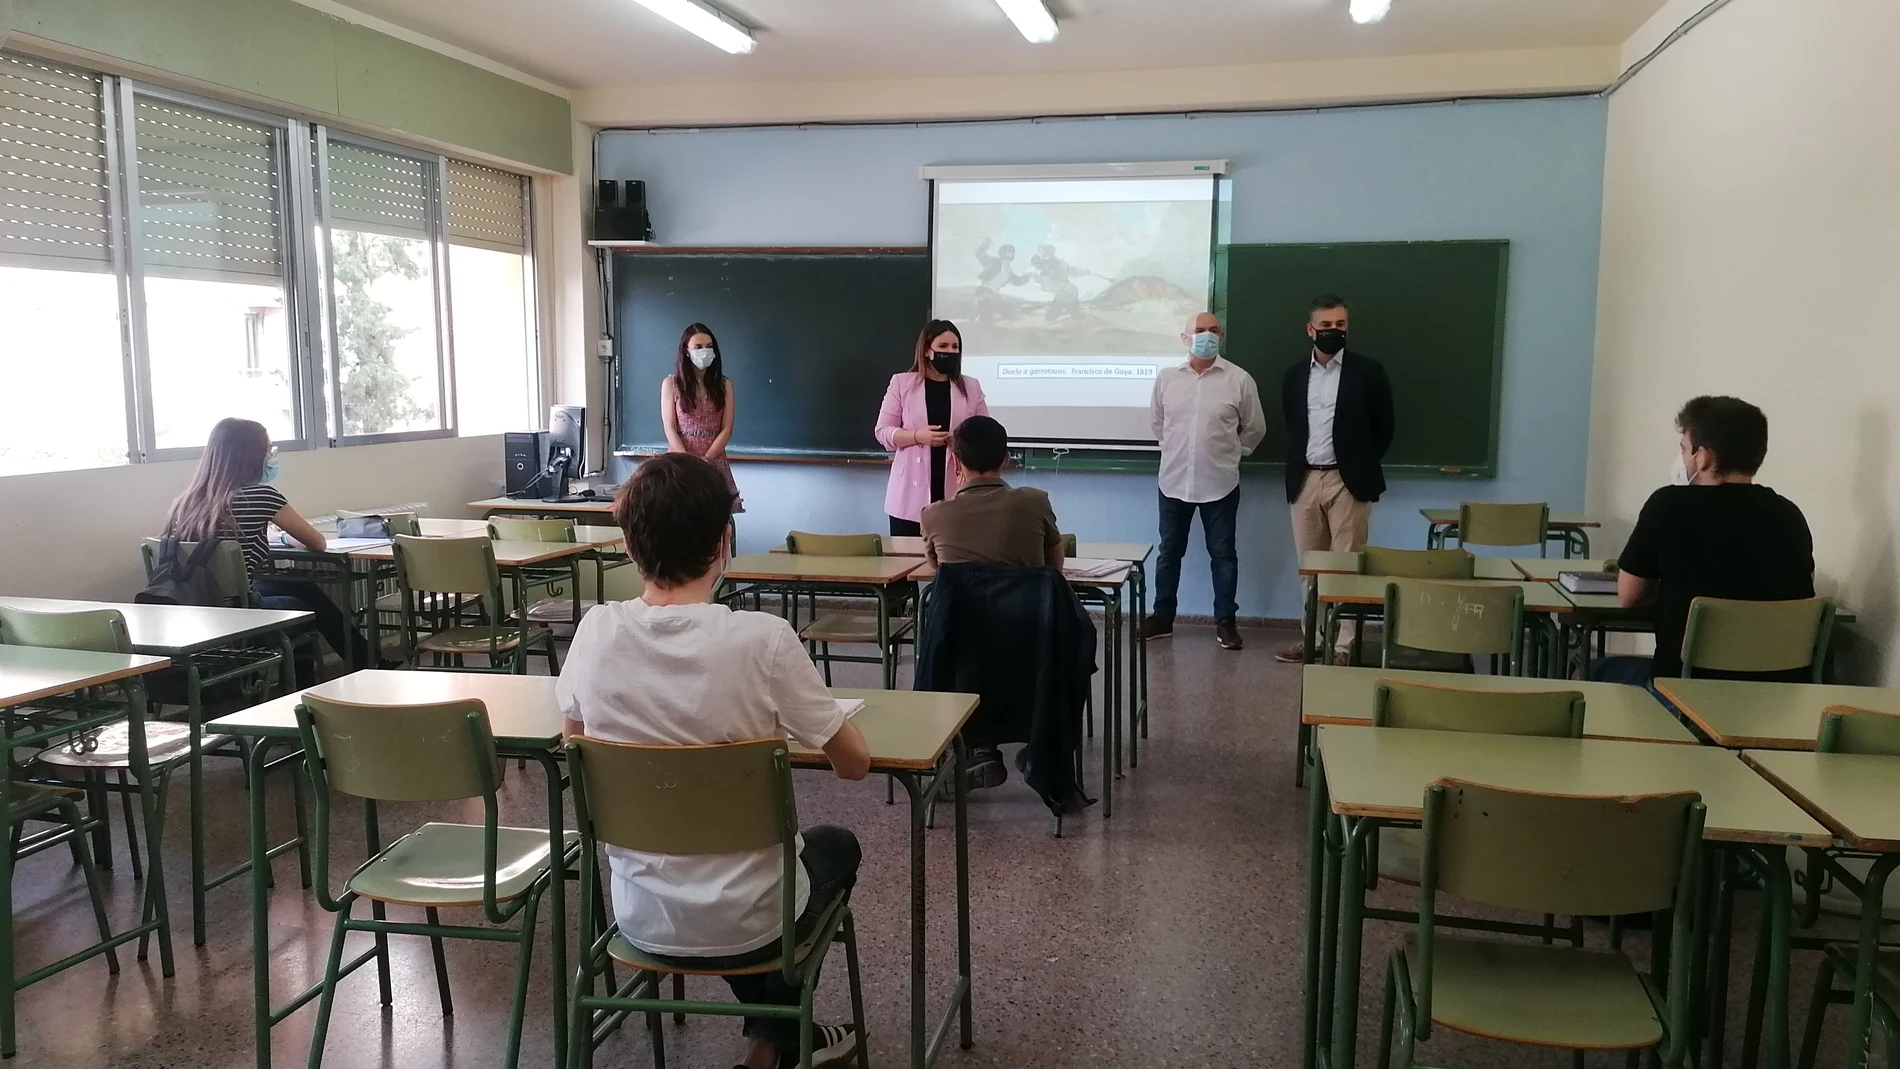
{"x": 1438, "y": 626}
{"x": 1553, "y": 714}
{"x": 1845, "y": 729}
{"x": 849, "y": 628}
{"x": 228, "y": 569}
{"x": 1543, "y": 853}
{"x": 1489, "y": 523}
{"x": 1068, "y": 545}
{"x": 453, "y": 569}
{"x": 400, "y": 523}
{"x": 1758, "y": 636}
{"x": 557, "y": 607}
{"x": 692, "y": 800}
{"x": 1453, "y": 564}
{"x": 423, "y": 753}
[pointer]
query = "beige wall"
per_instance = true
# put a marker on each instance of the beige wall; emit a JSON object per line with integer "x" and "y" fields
{"x": 75, "y": 533}
{"x": 1751, "y": 245}
{"x": 1266, "y": 85}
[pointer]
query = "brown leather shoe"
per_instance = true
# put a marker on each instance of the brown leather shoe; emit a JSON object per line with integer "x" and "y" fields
{"x": 1294, "y": 654}
{"x": 1227, "y": 634}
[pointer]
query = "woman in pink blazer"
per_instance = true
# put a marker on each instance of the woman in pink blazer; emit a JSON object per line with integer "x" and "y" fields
{"x": 921, "y": 408}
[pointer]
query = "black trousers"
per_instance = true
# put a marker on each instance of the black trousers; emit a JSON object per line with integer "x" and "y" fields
{"x": 332, "y": 624}
{"x": 906, "y": 528}
{"x": 831, "y": 858}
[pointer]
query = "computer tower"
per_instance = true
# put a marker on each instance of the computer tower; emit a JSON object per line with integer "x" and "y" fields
{"x": 521, "y": 459}
{"x": 620, "y": 211}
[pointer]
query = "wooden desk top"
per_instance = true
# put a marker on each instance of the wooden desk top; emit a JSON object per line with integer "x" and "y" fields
{"x": 1114, "y": 580}
{"x": 804, "y": 567}
{"x": 177, "y": 630}
{"x": 594, "y": 536}
{"x": 1383, "y": 772}
{"x": 1557, "y": 519}
{"x": 1856, "y": 795}
{"x": 1743, "y": 715}
{"x": 1331, "y": 562}
{"x": 1132, "y": 552}
{"x": 1332, "y": 694}
{"x": 907, "y": 730}
{"x": 534, "y": 504}
{"x": 507, "y": 554}
{"x": 31, "y": 673}
{"x": 1339, "y": 588}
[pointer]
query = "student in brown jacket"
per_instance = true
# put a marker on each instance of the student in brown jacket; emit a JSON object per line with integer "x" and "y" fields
{"x": 989, "y": 521}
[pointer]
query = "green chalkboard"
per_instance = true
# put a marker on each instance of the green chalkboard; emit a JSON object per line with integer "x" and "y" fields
{"x": 810, "y": 339}
{"x": 1432, "y": 312}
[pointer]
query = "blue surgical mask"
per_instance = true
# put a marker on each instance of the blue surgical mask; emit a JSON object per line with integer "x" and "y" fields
{"x": 270, "y": 471}
{"x": 1205, "y": 345}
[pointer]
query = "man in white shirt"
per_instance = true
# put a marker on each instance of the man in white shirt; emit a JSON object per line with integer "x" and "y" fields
{"x": 673, "y": 668}
{"x": 1338, "y": 410}
{"x": 1206, "y": 415}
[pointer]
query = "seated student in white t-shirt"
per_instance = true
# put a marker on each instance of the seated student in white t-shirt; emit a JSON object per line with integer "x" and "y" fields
{"x": 672, "y": 668}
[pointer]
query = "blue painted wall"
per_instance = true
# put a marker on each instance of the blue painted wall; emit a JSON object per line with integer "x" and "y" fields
{"x": 1527, "y": 171}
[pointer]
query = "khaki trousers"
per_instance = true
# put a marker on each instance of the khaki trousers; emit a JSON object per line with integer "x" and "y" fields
{"x": 1327, "y": 516}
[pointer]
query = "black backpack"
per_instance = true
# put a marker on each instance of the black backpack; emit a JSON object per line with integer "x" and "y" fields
{"x": 183, "y": 581}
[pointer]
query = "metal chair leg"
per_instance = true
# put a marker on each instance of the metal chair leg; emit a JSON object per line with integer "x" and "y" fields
{"x": 131, "y": 832}
{"x": 441, "y": 965}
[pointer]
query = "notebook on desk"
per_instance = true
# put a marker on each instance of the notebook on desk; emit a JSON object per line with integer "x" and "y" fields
{"x": 1089, "y": 568}
{"x": 1587, "y": 582}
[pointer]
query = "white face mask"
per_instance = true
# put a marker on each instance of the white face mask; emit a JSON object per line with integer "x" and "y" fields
{"x": 1678, "y": 471}
{"x": 702, "y": 358}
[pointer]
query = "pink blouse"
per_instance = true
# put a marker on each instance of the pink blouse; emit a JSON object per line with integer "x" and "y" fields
{"x": 903, "y": 409}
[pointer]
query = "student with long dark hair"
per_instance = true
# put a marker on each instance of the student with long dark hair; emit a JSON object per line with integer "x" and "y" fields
{"x": 696, "y": 404}
{"x": 922, "y": 408}
{"x": 230, "y": 496}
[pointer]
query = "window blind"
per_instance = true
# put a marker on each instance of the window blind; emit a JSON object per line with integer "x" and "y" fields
{"x": 380, "y": 192}
{"x": 488, "y": 209}
{"x": 209, "y": 203}
{"x": 52, "y": 166}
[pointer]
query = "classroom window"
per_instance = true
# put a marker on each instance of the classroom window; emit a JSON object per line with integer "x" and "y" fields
{"x": 60, "y": 347}
{"x": 198, "y": 260}
{"x": 208, "y": 226}
{"x": 492, "y": 306}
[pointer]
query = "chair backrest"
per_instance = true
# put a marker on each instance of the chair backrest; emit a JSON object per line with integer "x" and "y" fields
{"x": 830, "y": 545}
{"x": 1489, "y": 523}
{"x": 691, "y": 800}
{"x": 95, "y": 630}
{"x": 447, "y": 565}
{"x": 401, "y": 753}
{"x": 1471, "y": 618}
{"x": 1068, "y": 545}
{"x": 400, "y": 523}
{"x": 507, "y": 530}
{"x": 1400, "y": 704}
{"x": 1724, "y": 635}
{"x": 228, "y": 569}
{"x": 1845, "y": 729}
{"x": 1416, "y": 563}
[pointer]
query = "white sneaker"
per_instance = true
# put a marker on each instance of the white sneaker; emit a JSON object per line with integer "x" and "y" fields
{"x": 834, "y": 1043}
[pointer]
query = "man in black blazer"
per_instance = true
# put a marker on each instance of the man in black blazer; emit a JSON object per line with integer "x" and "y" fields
{"x": 1338, "y": 409}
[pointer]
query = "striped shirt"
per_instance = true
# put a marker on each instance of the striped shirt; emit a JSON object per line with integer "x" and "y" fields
{"x": 254, "y": 507}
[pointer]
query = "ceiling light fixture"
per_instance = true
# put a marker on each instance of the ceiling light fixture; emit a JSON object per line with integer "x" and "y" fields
{"x": 1032, "y": 18}
{"x": 707, "y": 23}
{"x": 1364, "y": 11}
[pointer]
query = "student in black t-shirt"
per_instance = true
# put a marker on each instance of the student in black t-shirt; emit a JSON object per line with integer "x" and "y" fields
{"x": 1721, "y": 536}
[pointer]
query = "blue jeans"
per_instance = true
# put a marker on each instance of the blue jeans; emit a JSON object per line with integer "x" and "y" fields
{"x": 1217, "y": 524}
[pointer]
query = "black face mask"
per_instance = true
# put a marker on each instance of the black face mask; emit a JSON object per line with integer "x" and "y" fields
{"x": 1329, "y": 341}
{"x": 947, "y": 363}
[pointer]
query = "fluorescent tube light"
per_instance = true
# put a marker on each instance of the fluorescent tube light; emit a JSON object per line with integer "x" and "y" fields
{"x": 1364, "y": 11}
{"x": 1031, "y": 17}
{"x": 704, "y": 22}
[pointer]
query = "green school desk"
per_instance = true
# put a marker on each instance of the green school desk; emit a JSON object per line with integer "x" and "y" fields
{"x": 1333, "y": 694}
{"x": 191, "y": 637}
{"x": 1746, "y": 715}
{"x": 30, "y": 675}
{"x": 598, "y": 511}
{"x": 911, "y": 735}
{"x": 1570, "y": 528}
{"x": 792, "y": 575}
{"x": 1857, "y": 796}
{"x": 1314, "y": 562}
{"x": 1367, "y": 778}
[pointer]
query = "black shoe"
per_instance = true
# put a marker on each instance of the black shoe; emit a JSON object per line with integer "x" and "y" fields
{"x": 1155, "y": 627}
{"x": 987, "y": 770}
{"x": 1227, "y": 635}
{"x": 833, "y": 1043}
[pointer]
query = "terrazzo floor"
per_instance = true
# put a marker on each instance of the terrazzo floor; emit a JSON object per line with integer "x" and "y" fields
{"x": 1167, "y": 936}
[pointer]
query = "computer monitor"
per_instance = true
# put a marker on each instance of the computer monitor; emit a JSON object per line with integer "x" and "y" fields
{"x": 567, "y": 428}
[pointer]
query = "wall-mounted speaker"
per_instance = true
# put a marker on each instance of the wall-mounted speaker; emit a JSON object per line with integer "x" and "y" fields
{"x": 620, "y": 211}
